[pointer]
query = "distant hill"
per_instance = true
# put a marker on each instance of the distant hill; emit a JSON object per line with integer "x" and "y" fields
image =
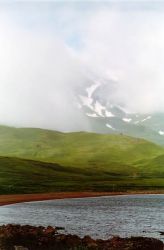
{"x": 37, "y": 160}
{"x": 79, "y": 149}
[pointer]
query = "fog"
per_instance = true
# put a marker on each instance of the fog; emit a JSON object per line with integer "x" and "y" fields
{"x": 37, "y": 78}
{"x": 46, "y": 50}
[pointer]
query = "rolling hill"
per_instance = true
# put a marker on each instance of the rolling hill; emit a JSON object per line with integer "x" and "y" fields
{"x": 78, "y": 149}
{"x": 37, "y": 160}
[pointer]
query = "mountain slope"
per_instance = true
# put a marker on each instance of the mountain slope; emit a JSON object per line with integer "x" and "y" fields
{"x": 37, "y": 160}
{"x": 26, "y": 176}
{"x": 103, "y": 115}
{"x": 80, "y": 149}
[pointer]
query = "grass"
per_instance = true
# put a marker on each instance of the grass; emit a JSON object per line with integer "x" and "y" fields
{"x": 26, "y": 176}
{"x": 36, "y": 160}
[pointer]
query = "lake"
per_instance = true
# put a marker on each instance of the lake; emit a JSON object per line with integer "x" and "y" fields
{"x": 100, "y": 217}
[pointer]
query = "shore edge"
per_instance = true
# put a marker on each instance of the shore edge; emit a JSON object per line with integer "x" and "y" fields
{"x": 18, "y": 198}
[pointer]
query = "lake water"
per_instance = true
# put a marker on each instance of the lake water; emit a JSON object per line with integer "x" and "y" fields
{"x": 101, "y": 217}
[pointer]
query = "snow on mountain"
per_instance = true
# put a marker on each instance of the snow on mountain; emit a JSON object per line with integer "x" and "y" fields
{"x": 90, "y": 90}
{"x": 109, "y": 114}
{"x": 91, "y": 115}
{"x": 98, "y": 108}
{"x": 86, "y": 101}
{"x": 105, "y": 116}
{"x": 145, "y": 119}
{"x": 126, "y": 119}
{"x": 109, "y": 126}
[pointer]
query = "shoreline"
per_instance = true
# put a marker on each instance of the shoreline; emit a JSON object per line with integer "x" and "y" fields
{"x": 18, "y": 198}
{"x": 28, "y": 237}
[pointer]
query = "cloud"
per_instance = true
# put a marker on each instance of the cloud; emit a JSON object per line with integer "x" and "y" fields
{"x": 128, "y": 47}
{"x": 37, "y": 78}
{"x": 45, "y": 53}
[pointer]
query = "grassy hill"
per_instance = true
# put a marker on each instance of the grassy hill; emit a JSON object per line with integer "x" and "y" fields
{"x": 37, "y": 160}
{"x": 27, "y": 176}
{"x": 80, "y": 149}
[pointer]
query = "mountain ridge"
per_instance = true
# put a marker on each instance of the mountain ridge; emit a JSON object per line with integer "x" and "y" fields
{"x": 104, "y": 115}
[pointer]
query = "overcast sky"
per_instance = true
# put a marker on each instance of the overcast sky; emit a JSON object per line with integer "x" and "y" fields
{"x": 47, "y": 47}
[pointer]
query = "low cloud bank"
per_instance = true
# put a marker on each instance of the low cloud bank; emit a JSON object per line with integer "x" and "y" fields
{"x": 42, "y": 68}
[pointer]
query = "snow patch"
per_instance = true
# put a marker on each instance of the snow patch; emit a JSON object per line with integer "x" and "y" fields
{"x": 127, "y": 119}
{"x": 147, "y": 118}
{"x": 86, "y": 101}
{"x": 91, "y": 115}
{"x": 108, "y": 114}
{"x": 123, "y": 109}
{"x": 109, "y": 126}
{"x": 161, "y": 132}
{"x": 99, "y": 108}
{"x": 92, "y": 89}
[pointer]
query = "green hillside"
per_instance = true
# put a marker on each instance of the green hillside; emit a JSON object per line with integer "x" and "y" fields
{"x": 80, "y": 149}
{"x": 27, "y": 176}
{"x": 58, "y": 161}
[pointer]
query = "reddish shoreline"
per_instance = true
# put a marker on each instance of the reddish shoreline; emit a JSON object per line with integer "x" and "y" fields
{"x": 18, "y": 198}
